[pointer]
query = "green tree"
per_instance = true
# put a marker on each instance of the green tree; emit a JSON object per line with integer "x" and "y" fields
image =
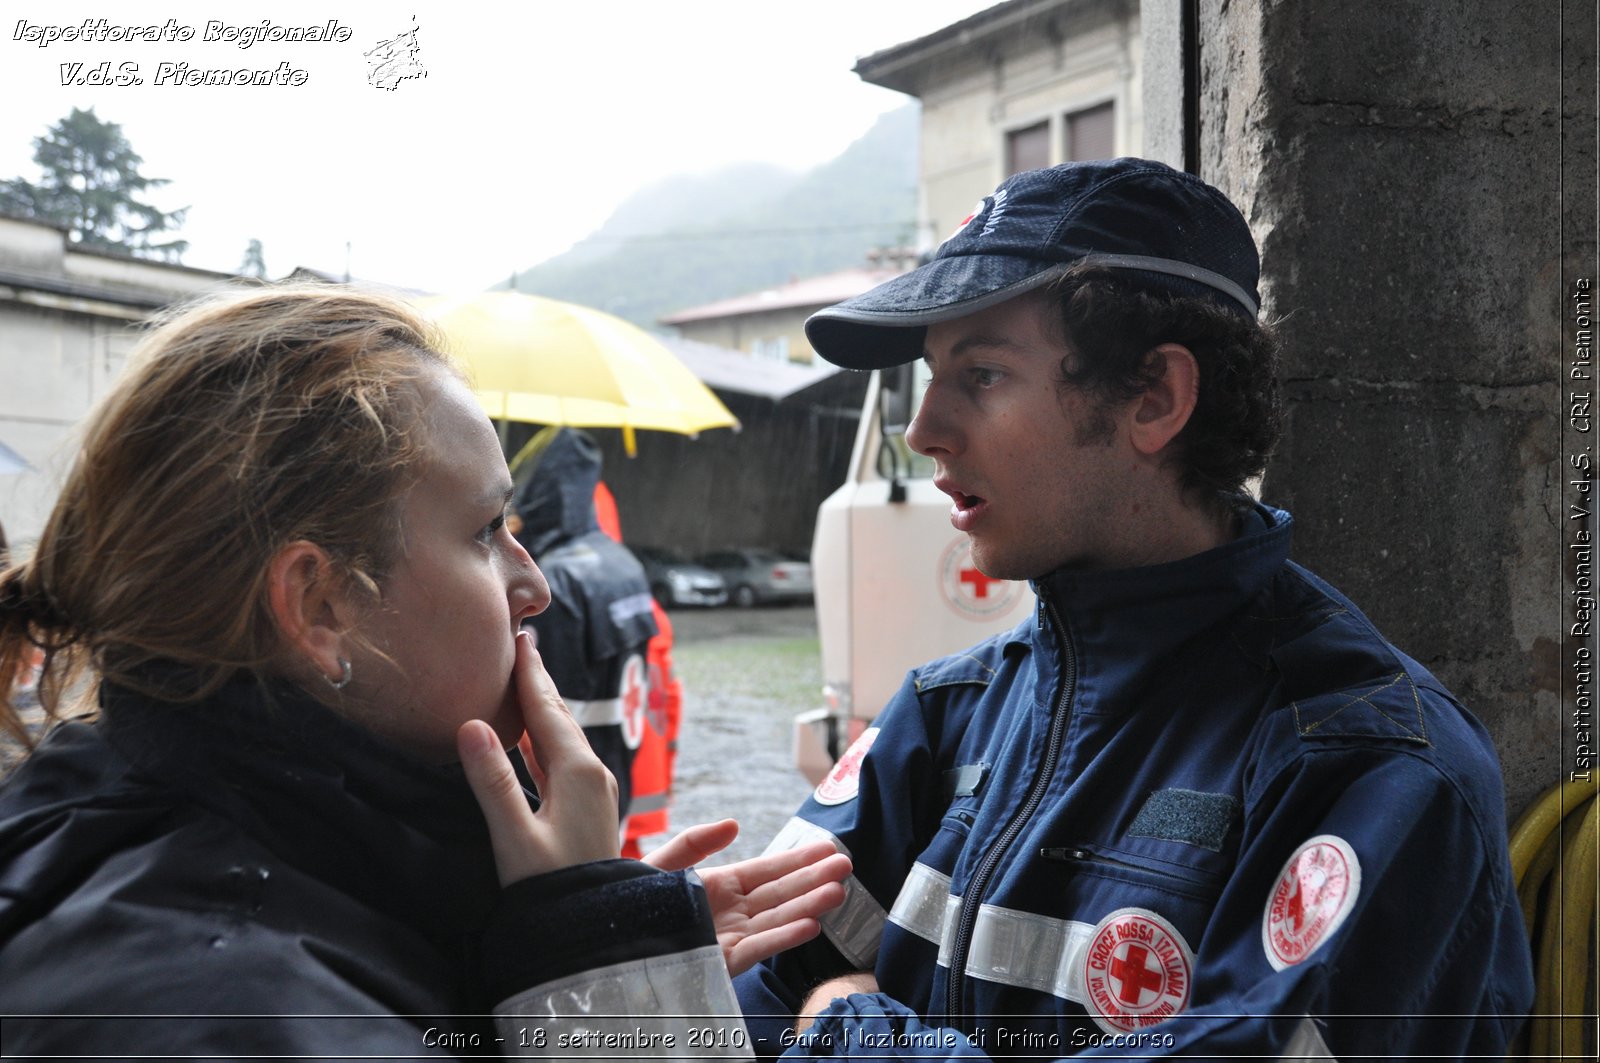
{"x": 255, "y": 262}
{"x": 90, "y": 184}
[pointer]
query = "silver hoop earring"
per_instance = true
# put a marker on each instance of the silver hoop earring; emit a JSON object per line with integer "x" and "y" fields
{"x": 344, "y": 676}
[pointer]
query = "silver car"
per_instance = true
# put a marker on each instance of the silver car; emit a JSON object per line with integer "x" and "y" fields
{"x": 756, "y": 575}
{"x": 675, "y": 581}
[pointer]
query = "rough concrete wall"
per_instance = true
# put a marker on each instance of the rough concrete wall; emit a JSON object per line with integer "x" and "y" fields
{"x": 1399, "y": 165}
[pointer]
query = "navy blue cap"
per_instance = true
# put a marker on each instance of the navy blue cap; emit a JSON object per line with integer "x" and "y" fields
{"x": 1166, "y": 229}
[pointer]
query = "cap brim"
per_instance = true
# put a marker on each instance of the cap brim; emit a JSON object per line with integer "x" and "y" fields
{"x": 885, "y": 326}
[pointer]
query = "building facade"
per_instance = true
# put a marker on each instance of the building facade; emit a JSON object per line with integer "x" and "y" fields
{"x": 770, "y": 324}
{"x": 1021, "y": 85}
{"x": 68, "y": 318}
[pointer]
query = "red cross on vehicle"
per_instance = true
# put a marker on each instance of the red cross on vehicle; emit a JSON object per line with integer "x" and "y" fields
{"x": 1133, "y": 974}
{"x": 980, "y": 583}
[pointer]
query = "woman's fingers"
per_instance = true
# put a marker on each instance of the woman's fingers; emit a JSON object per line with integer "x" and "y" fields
{"x": 577, "y": 818}
{"x": 768, "y": 881}
{"x": 578, "y": 796}
{"x": 757, "y": 947}
{"x": 500, "y": 797}
{"x": 801, "y": 908}
{"x": 693, "y": 845}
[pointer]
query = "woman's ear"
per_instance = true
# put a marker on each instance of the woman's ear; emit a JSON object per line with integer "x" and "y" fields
{"x": 1162, "y": 409}
{"x": 306, "y": 605}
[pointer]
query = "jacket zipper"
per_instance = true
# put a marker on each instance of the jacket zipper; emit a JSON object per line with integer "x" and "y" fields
{"x": 973, "y": 894}
{"x": 1074, "y": 855}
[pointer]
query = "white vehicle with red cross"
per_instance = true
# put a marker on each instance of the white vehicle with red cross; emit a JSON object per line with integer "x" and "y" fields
{"x": 895, "y": 585}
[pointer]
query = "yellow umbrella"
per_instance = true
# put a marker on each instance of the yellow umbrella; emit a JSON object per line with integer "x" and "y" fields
{"x": 548, "y": 362}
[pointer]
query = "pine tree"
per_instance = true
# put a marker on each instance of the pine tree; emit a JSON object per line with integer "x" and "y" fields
{"x": 255, "y": 262}
{"x": 90, "y": 184}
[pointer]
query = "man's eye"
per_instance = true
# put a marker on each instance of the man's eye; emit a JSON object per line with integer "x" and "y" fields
{"x": 986, "y": 378}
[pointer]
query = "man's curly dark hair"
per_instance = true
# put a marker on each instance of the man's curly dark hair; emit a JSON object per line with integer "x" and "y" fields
{"x": 1111, "y": 324}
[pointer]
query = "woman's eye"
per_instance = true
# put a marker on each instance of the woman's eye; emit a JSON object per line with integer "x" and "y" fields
{"x": 492, "y": 528}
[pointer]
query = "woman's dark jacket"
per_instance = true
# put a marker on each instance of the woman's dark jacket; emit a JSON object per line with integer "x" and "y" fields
{"x": 255, "y": 875}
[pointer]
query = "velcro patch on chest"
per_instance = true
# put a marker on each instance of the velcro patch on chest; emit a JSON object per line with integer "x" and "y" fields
{"x": 1190, "y": 816}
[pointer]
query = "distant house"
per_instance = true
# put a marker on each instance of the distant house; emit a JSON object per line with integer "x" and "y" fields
{"x": 769, "y": 324}
{"x": 1021, "y": 85}
{"x": 68, "y": 318}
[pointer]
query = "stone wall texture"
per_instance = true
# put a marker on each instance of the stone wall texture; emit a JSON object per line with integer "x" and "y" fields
{"x": 1401, "y": 166}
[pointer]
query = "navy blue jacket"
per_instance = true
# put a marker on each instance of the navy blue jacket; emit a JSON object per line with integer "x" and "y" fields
{"x": 1197, "y": 808}
{"x": 594, "y": 635}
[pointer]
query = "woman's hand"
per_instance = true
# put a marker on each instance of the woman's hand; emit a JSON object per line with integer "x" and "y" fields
{"x": 763, "y": 905}
{"x": 577, "y": 818}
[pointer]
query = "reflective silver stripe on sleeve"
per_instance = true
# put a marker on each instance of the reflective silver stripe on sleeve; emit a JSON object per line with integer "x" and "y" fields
{"x": 1010, "y": 947}
{"x": 624, "y": 609}
{"x": 927, "y": 908}
{"x": 679, "y": 1006}
{"x": 855, "y": 927}
{"x": 1306, "y": 1044}
{"x": 602, "y": 713}
{"x": 1031, "y": 951}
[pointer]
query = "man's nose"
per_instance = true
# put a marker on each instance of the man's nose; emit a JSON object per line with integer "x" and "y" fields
{"x": 929, "y": 433}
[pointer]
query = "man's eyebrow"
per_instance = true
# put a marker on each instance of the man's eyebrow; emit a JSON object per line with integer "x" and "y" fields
{"x": 500, "y": 495}
{"x": 981, "y": 341}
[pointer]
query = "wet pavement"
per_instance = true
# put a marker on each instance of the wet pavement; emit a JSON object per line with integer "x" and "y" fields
{"x": 746, "y": 673}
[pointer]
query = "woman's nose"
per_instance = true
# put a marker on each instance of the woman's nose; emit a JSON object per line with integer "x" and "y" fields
{"x": 530, "y": 594}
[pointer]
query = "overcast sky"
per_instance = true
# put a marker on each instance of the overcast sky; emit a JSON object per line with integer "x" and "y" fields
{"x": 534, "y": 120}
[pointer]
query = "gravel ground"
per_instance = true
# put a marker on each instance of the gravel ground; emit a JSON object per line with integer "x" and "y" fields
{"x": 746, "y": 673}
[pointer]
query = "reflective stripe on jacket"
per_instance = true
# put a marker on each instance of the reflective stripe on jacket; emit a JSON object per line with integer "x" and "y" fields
{"x": 1198, "y": 808}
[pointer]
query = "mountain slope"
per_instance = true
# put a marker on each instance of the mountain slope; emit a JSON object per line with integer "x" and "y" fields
{"x": 692, "y": 239}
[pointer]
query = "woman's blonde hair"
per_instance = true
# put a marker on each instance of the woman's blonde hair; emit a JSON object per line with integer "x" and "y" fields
{"x": 243, "y": 423}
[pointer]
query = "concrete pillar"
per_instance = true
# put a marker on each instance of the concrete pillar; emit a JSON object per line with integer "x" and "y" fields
{"x": 1401, "y": 167}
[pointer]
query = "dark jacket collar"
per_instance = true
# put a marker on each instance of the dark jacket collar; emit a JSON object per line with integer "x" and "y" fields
{"x": 1125, "y": 622}
{"x": 323, "y": 794}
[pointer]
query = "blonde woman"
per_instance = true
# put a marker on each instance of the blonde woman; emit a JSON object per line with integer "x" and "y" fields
{"x": 280, "y": 573}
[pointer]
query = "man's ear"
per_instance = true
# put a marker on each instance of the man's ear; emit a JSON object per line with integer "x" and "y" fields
{"x": 1160, "y": 412}
{"x": 305, "y": 602}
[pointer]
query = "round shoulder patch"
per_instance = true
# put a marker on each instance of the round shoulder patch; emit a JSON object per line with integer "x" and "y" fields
{"x": 845, "y": 778}
{"x": 635, "y": 696}
{"x": 1137, "y": 971}
{"x": 1314, "y": 893}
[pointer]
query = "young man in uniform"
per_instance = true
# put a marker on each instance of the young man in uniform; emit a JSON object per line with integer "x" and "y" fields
{"x": 1197, "y": 804}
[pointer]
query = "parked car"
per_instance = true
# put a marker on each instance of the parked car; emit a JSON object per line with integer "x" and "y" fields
{"x": 677, "y": 581}
{"x": 754, "y": 574}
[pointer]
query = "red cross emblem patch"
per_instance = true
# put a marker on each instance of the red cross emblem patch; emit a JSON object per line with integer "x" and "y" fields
{"x": 1314, "y": 893}
{"x": 635, "y": 701}
{"x": 1137, "y": 971}
{"x": 845, "y": 778}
